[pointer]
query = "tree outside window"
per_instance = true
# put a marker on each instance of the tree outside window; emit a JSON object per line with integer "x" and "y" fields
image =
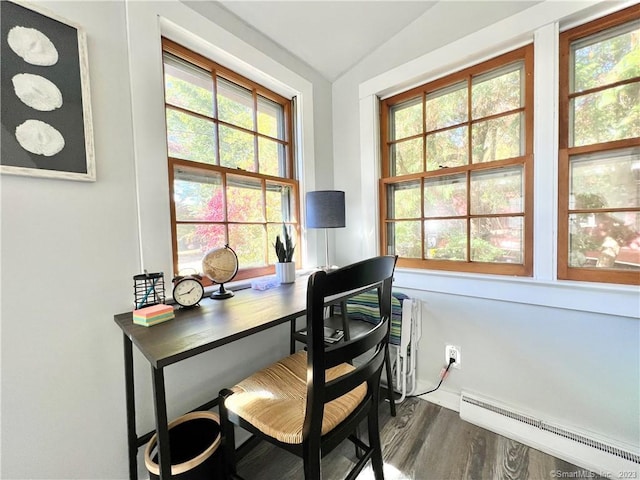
{"x": 457, "y": 160}
{"x": 599, "y": 170}
{"x": 229, "y": 159}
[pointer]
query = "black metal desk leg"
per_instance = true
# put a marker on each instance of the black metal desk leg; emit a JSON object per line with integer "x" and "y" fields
{"x": 292, "y": 333}
{"x": 132, "y": 436}
{"x": 162, "y": 430}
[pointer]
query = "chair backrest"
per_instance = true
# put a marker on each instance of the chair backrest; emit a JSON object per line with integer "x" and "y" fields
{"x": 364, "y": 307}
{"x": 324, "y": 288}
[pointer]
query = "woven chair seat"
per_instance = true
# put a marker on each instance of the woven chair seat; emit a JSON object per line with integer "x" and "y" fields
{"x": 273, "y": 400}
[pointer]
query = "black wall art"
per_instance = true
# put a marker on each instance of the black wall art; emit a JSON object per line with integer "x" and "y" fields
{"x": 44, "y": 88}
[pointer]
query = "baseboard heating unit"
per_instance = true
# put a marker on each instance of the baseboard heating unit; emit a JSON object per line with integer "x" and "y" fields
{"x": 584, "y": 449}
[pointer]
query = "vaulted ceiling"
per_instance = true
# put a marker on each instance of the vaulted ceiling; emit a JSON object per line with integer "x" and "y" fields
{"x": 332, "y": 36}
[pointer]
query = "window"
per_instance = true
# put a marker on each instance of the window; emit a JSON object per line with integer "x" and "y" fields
{"x": 599, "y": 164}
{"x": 231, "y": 175}
{"x": 457, "y": 163}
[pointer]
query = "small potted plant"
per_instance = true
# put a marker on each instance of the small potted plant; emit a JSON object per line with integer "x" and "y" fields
{"x": 286, "y": 267}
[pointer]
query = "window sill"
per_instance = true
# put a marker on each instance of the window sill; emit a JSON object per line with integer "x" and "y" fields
{"x": 620, "y": 300}
{"x": 246, "y": 283}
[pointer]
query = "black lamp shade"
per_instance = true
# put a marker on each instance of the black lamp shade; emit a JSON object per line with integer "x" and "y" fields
{"x": 325, "y": 209}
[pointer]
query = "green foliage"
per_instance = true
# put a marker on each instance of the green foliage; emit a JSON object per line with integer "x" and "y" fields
{"x": 484, "y": 251}
{"x": 606, "y": 115}
{"x": 455, "y": 248}
{"x": 590, "y": 231}
{"x": 614, "y": 113}
{"x": 201, "y": 202}
{"x": 285, "y": 250}
{"x": 447, "y": 149}
{"x": 447, "y": 108}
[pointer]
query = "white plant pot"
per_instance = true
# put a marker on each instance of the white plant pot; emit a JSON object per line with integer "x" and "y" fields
{"x": 286, "y": 272}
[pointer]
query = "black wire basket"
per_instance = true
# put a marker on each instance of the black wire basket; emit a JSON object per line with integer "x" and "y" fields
{"x": 148, "y": 289}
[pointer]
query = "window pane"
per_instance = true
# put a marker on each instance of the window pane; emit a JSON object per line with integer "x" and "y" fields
{"x": 497, "y": 240}
{"x": 188, "y": 86}
{"x": 445, "y": 239}
{"x": 194, "y": 241}
{"x": 608, "y": 180}
{"x": 279, "y": 203}
{"x": 244, "y": 199}
{"x": 497, "y": 139}
{"x": 447, "y": 107}
{"x": 445, "y": 196}
{"x": 198, "y": 195}
{"x": 404, "y": 200}
{"x": 270, "y": 118}
{"x": 604, "y": 59}
{"x": 270, "y": 157}
{"x": 404, "y": 239}
{"x": 406, "y": 157}
{"x": 607, "y": 115}
{"x": 235, "y": 104}
{"x": 406, "y": 119}
{"x": 190, "y": 138}
{"x": 605, "y": 240}
{"x": 496, "y": 92}
{"x": 236, "y": 149}
{"x": 447, "y": 149}
{"x": 249, "y": 243}
{"x": 497, "y": 191}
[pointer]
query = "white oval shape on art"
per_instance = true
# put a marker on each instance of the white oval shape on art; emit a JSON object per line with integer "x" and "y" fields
{"x": 39, "y": 138}
{"x": 37, "y": 92}
{"x": 32, "y": 46}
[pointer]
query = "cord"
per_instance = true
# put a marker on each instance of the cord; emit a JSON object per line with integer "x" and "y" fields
{"x": 442, "y": 377}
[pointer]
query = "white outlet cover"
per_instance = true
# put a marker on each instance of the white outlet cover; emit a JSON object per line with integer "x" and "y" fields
{"x": 447, "y": 355}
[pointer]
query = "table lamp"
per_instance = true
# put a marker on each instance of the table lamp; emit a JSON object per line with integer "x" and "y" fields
{"x": 325, "y": 209}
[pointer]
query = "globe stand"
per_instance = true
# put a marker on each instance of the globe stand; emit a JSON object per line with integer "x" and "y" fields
{"x": 221, "y": 294}
{"x": 221, "y": 266}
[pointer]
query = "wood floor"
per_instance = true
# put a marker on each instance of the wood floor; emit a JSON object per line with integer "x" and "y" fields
{"x": 423, "y": 442}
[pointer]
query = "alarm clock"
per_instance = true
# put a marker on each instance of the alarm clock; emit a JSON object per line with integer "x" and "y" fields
{"x": 187, "y": 291}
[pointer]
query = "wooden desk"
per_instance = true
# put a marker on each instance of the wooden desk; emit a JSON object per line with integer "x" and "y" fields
{"x": 213, "y": 324}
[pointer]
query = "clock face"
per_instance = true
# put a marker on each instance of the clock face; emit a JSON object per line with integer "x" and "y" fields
{"x": 188, "y": 292}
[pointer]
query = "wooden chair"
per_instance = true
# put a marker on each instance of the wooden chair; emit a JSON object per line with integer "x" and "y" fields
{"x": 339, "y": 319}
{"x": 309, "y": 402}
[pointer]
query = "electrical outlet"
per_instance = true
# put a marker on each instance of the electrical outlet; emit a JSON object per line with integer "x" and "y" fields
{"x": 453, "y": 351}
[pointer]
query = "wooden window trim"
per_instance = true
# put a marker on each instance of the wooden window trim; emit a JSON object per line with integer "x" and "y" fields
{"x": 524, "y": 54}
{"x": 564, "y": 271}
{"x": 216, "y": 70}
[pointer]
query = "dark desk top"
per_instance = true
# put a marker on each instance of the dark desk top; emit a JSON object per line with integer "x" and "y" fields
{"x": 215, "y": 322}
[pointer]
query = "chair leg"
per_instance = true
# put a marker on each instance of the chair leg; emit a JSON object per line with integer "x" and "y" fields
{"x": 376, "y": 446}
{"x": 390, "y": 396}
{"x": 228, "y": 438}
{"x": 359, "y": 452}
{"x": 311, "y": 457}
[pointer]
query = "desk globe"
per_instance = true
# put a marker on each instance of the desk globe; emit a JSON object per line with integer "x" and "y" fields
{"x": 221, "y": 266}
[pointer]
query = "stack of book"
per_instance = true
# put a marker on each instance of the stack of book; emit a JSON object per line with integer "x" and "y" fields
{"x": 331, "y": 335}
{"x": 149, "y": 316}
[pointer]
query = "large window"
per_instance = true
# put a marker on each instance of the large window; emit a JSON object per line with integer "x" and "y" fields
{"x": 231, "y": 174}
{"x": 599, "y": 166}
{"x": 456, "y": 187}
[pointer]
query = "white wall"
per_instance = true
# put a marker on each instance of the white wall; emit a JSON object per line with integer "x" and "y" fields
{"x": 70, "y": 249}
{"x": 68, "y": 254}
{"x": 563, "y": 351}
